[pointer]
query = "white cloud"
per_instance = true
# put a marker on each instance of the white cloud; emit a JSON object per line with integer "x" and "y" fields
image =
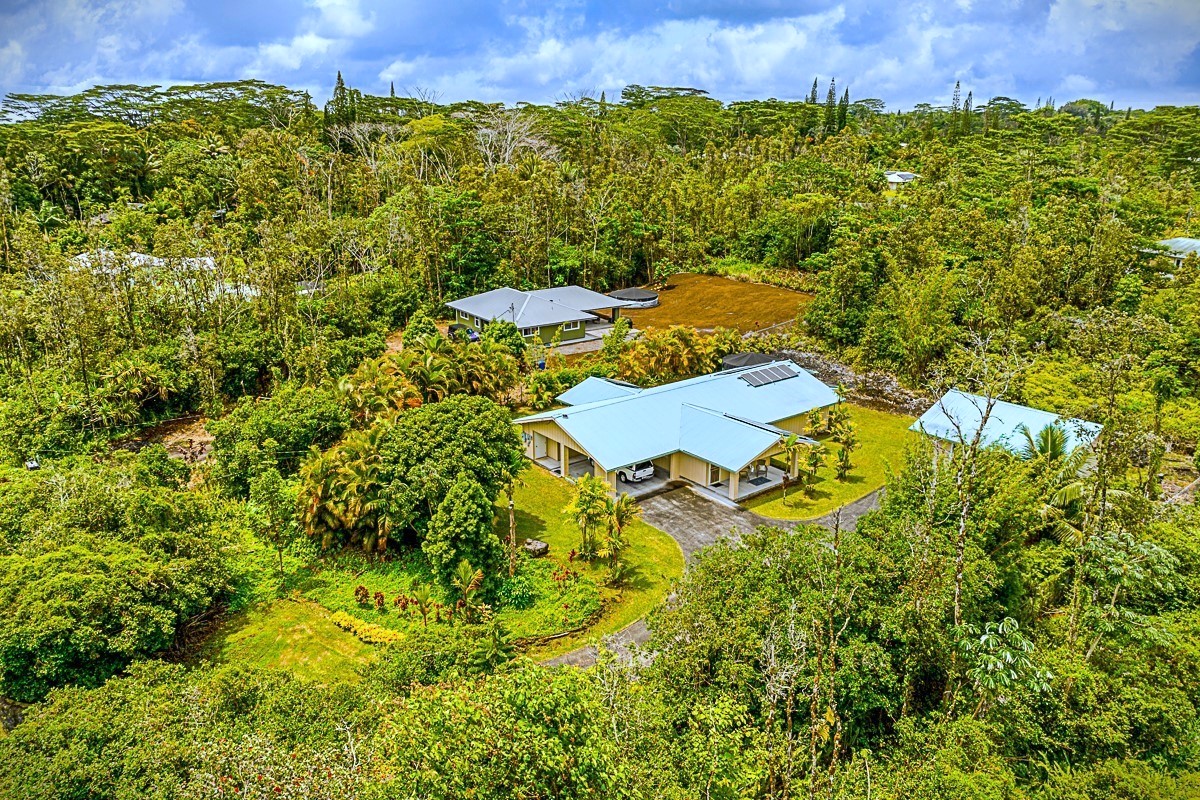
{"x": 904, "y": 52}
{"x": 12, "y": 60}
{"x": 1077, "y": 85}
{"x": 290, "y": 55}
{"x": 344, "y": 18}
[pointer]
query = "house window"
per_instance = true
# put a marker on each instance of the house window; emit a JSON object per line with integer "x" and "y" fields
{"x": 570, "y": 326}
{"x": 529, "y": 331}
{"x": 478, "y": 324}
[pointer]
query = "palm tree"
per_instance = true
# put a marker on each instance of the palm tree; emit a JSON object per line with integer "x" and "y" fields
{"x": 791, "y": 446}
{"x": 1073, "y": 506}
{"x": 619, "y": 512}
{"x": 843, "y": 466}
{"x": 422, "y": 597}
{"x": 320, "y": 511}
{"x": 493, "y": 649}
{"x": 1049, "y": 444}
{"x": 468, "y": 581}
{"x": 588, "y": 508}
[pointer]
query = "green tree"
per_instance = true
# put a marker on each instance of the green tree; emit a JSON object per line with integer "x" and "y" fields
{"x": 792, "y": 445}
{"x": 524, "y": 715}
{"x": 830, "y": 119}
{"x": 589, "y": 510}
{"x": 272, "y": 510}
{"x": 419, "y": 329}
{"x": 505, "y": 334}
{"x": 461, "y": 530}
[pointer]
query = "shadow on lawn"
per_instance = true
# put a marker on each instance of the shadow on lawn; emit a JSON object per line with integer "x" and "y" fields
{"x": 528, "y": 525}
{"x": 636, "y": 581}
{"x": 816, "y": 493}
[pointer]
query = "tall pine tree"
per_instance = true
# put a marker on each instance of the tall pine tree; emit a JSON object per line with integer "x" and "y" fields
{"x": 812, "y": 96}
{"x": 830, "y": 120}
{"x": 968, "y": 113}
{"x": 843, "y": 109}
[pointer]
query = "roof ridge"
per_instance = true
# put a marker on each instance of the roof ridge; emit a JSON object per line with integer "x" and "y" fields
{"x": 672, "y": 386}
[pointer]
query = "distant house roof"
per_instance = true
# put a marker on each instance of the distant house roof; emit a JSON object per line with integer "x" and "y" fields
{"x": 896, "y": 176}
{"x": 735, "y": 360}
{"x": 578, "y": 298}
{"x": 1181, "y": 246}
{"x": 1005, "y": 426}
{"x": 723, "y": 418}
{"x": 112, "y": 264}
{"x": 634, "y": 294}
{"x": 109, "y": 262}
{"x": 593, "y": 389}
{"x": 536, "y": 308}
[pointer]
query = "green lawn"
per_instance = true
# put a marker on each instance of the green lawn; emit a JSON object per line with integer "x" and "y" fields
{"x": 291, "y": 635}
{"x": 882, "y": 438}
{"x": 656, "y": 556}
{"x": 297, "y": 634}
{"x": 331, "y": 584}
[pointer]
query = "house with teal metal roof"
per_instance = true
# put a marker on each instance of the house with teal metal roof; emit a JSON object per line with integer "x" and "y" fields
{"x": 1179, "y": 248}
{"x": 958, "y": 415}
{"x": 716, "y": 431}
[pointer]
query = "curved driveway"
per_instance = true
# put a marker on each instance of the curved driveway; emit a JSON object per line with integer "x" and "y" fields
{"x": 695, "y": 522}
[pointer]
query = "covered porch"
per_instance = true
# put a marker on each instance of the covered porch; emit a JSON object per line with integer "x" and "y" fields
{"x": 580, "y": 465}
{"x": 763, "y": 473}
{"x": 550, "y": 448}
{"x": 746, "y": 483}
{"x": 552, "y": 454}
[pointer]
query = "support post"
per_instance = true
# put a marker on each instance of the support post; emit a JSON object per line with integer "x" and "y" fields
{"x": 733, "y": 485}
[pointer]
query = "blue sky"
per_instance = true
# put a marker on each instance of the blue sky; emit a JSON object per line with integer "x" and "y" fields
{"x": 1131, "y": 52}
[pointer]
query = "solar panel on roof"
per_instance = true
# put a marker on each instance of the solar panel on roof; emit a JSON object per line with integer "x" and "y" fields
{"x": 768, "y": 375}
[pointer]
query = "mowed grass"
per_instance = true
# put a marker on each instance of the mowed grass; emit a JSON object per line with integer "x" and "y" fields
{"x": 655, "y": 556}
{"x": 293, "y": 635}
{"x": 882, "y": 439}
{"x": 711, "y": 301}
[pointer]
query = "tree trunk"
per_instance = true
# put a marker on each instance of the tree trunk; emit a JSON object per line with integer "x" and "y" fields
{"x": 512, "y": 536}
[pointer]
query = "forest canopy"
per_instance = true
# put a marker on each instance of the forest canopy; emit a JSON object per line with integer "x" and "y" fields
{"x": 260, "y": 283}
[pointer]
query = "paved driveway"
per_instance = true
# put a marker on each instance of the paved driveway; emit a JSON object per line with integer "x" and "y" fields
{"x": 695, "y": 522}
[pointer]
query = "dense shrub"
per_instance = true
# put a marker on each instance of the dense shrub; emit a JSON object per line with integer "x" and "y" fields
{"x": 277, "y": 430}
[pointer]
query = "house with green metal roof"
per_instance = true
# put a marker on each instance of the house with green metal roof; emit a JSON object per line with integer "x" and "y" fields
{"x": 958, "y": 415}
{"x": 718, "y": 432}
{"x": 565, "y": 313}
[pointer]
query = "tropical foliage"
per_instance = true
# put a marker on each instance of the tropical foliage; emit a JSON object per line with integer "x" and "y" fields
{"x": 1006, "y": 624}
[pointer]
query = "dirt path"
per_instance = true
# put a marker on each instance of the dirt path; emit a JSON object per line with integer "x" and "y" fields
{"x": 696, "y": 522}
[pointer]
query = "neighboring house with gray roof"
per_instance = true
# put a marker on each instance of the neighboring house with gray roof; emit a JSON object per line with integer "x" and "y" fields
{"x": 1180, "y": 248}
{"x": 563, "y": 312}
{"x": 719, "y": 432}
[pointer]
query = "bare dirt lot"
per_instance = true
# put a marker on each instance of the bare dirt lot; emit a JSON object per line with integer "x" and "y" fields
{"x": 706, "y": 302}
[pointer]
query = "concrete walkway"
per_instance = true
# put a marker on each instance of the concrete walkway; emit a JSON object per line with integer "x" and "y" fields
{"x": 696, "y": 522}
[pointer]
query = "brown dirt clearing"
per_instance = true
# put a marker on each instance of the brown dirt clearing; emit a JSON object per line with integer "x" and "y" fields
{"x": 707, "y": 302}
